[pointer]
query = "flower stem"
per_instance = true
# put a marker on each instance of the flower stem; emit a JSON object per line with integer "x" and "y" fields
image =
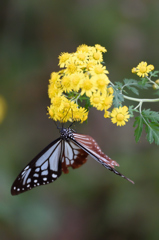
{"x": 140, "y": 99}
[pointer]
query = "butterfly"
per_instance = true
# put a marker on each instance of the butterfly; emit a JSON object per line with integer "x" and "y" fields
{"x": 69, "y": 150}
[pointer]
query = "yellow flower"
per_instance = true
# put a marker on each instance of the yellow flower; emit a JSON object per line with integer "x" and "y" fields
{"x": 101, "y": 82}
{"x": 53, "y": 90}
{"x": 107, "y": 102}
{"x": 87, "y": 86}
{"x": 82, "y": 73}
{"x": 107, "y": 114}
{"x": 100, "y": 48}
{"x": 150, "y": 68}
{"x": 58, "y": 101}
{"x": 54, "y": 77}
{"x": 80, "y": 114}
{"x": 81, "y": 58}
{"x": 142, "y": 69}
{"x": 96, "y": 100}
{"x": 98, "y": 69}
{"x": 98, "y": 56}
{"x": 76, "y": 80}
{"x": 66, "y": 83}
{"x": 64, "y": 58}
{"x": 133, "y": 70}
{"x": 71, "y": 68}
{"x": 83, "y": 48}
{"x": 110, "y": 90}
{"x": 90, "y": 64}
{"x": 120, "y": 116}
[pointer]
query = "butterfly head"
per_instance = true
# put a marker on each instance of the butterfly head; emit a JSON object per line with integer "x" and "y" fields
{"x": 66, "y": 133}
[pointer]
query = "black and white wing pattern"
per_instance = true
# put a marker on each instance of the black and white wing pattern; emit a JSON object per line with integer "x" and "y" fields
{"x": 49, "y": 164}
{"x": 43, "y": 169}
{"x": 73, "y": 156}
{"x": 70, "y": 150}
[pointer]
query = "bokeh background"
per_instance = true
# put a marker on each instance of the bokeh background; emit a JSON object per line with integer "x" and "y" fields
{"x": 89, "y": 202}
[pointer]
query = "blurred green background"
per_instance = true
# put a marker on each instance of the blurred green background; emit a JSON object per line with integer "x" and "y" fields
{"x": 89, "y": 202}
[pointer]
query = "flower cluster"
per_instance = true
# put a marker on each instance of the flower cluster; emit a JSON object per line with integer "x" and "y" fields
{"x": 82, "y": 83}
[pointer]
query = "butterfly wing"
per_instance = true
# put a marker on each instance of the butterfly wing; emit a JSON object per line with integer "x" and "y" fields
{"x": 43, "y": 169}
{"x": 73, "y": 156}
{"x": 89, "y": 145}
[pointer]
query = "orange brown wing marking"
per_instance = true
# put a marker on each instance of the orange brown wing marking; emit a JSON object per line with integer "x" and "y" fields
{"x": 89, "y": 143}
{"x": 73, "y": 156}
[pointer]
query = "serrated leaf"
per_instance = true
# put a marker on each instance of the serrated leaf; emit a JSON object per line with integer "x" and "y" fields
{"x": 151, "y": 115}
{"x": 118, "y": 85}
{"x": 134, "y": 90}
{"x": 152, "y": 130}
{"x": 154, "y": 74}
{"x": 138, "y": 131}
{"x": 118, "y": 98}
{"x": 132, "y": 110}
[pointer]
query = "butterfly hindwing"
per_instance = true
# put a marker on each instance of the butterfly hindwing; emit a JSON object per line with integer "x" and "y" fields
{"x": 73, "y": 156}
{"x": 43, "y": 169}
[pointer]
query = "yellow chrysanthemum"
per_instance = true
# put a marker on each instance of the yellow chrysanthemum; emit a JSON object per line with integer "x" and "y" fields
{"x": 96, "y": 100}
{"x": 71, "y": 68}
{"x": 142, "y": 69}
{"x": 107, "y": 114}
{"x": 150, "y": 67}
{"x": 83, "y": 48}
{"x": 133, "y": 70}
{"x": 110, "y": 90}
{"x": 58, "y": 101}
{"x": 101, "y": 82}
{"x": 100, "y": 48}
{"x": 120, "y": 116}
{"x": 66, "y": 83}
{"x": 97, "y": 56}
{"x": 98, "y": 69}
{"x": 90, "y": 64}
{"x": 80, "y": 114}
{"x": 81, "y": 58}
{"x": 64, "y": 58}
{"x": 107, "y": 102}
{"x": 53, "y": 90}
{"x": 87, "y": 86}
{"x": 54, "y": 77}
{"x": 76, "y": 80}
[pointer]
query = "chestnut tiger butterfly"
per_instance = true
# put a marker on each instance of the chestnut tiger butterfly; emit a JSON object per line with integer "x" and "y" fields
{"x": 69, "y": 150}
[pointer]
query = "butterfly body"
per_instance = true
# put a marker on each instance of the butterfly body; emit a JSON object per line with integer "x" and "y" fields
{"x": 69, "y": 150}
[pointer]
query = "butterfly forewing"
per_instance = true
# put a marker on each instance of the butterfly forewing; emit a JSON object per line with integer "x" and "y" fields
{"x": 89, "y": 145}
{"x": 43, "y": 169}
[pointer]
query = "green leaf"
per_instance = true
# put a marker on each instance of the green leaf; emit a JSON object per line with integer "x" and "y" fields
{"x": 118, "y": 98}
{"x": 132, "y": 110}
{"x": 152, "y": 130}
{"x": 154, "y": 74}
{"x": 156, "y": 93}
{"x": 144, "y": 84}
{"x": 118, "y": 85}
{"x": 151, "y": 115}
{"x": 151, "y": 121}
{"x": 138, "y": 131}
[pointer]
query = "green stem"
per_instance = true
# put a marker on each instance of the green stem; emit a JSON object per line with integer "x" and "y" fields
{"x": 140, "y": 99}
